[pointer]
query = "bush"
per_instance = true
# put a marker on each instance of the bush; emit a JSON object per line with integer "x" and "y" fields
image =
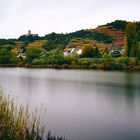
{"x": 123, "y": 60}
{"x": 132, "y": 62}
{"x": 85, "y": 62}
{"x": 39, "y": 62}
{"x": 68, "y": 60}
{"x": 108, "y": 63}
{"x": 93, "y": 66}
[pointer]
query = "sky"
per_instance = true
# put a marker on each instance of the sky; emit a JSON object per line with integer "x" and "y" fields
{"x": 62, "y": 16}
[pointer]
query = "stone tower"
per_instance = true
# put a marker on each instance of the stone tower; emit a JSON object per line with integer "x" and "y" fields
{"x": 29, "y": 32}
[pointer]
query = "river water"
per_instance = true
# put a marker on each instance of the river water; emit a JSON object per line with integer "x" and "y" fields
{"x": 80, "y": 104}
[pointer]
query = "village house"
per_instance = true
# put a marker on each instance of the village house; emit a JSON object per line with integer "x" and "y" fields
{"x": 21, "y": 55}
{"x": 78, "y": 51}
{"x": 116, "y": 53}
{"x": 72, "y": 50}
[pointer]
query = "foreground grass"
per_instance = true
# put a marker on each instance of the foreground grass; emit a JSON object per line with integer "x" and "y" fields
{"x": 16, "y": 123}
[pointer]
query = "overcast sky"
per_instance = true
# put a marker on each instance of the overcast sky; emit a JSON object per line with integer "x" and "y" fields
{"x": 46, "y": 16}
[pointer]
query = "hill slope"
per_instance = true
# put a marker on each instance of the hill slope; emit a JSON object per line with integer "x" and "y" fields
{"x": 106, "y": 36}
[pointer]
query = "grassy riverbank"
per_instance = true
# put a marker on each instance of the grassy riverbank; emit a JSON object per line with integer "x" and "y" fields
{"x": 121, "y": 63}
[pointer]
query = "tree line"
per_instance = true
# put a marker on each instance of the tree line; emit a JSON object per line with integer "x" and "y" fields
{"x": 132, "y": 39}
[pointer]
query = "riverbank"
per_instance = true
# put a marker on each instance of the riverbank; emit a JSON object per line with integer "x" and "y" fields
{"x": 70, "y": 67}
{"x": 122, "y": 63}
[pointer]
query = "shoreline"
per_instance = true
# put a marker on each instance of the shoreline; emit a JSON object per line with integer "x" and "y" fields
{"x": 70, "y": 67}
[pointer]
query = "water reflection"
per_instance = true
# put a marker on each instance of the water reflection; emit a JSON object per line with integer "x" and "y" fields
{"x": 80, "y": 104}
{"x": 130, "y": 88}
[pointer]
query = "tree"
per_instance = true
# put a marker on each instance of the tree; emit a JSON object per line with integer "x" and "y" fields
{"x": 138, "y": 51}
{"x": 131, "y": 38}
{"x": 138, "y": 35}
{"x": 55, "y": 57}
{"x": 28, "y": 39}
{"x": 33, "y": 52}
{"x": 5, "y": 56}
{"x": 97, "y": 53}
{"x": 106, "y": 53}
{"x": 88, "y": 51}
{"x": 118, "y": 24}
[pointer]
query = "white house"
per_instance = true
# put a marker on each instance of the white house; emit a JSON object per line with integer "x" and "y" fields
{"x": 78, "y": 51}
{"x": 72, "y": 50}
{"x": 21, "y": 55}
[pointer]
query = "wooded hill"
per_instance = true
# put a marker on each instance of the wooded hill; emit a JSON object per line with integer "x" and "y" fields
{"x": 105, "y": 36}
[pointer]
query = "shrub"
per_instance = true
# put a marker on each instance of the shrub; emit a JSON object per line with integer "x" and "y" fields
{"x": 123, "y": 60}
{"x": 132, "y": 62}
{"x": 93, "y": 66}
{"x": 39, "y": 62}
{"x": 108, "y": 63}
{"x": 85, "y": 62}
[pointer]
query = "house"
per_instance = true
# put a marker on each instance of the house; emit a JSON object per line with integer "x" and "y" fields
{"x": 72, "y": 50}
{"x": 116, "y": 53}
{"x": 21, "y": 55}
{"x": 69, "y": 51}
{"x": 122, "y": 51}
{"x": 78, "y": 51}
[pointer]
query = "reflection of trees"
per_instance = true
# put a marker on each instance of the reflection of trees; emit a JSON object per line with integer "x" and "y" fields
{"x": 130, "y": 87}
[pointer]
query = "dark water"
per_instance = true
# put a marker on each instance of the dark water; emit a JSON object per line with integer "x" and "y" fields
{"x": 83, "y": 105}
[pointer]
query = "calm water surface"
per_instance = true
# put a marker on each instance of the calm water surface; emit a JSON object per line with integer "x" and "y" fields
{"x": 83, "y": 105}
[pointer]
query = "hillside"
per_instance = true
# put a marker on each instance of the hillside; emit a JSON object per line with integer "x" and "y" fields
{"x": 106, "y": 36}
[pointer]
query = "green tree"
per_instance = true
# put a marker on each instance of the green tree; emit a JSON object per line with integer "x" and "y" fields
{"x": 97, "y": 53}
{"x": 33, "y": 52}
{"x": 55, "y": 57}
{"x": 138, "y": 51}
{"x": 118, "y": 24}
{"x": 138, "y": 35}
{"x": 88, "y": 51}
{"x": 131, "y": 38}
{"x": 5, "y": 56}
{"x": 106, "y": 53}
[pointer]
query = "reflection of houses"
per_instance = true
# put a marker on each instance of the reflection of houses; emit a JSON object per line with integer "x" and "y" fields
{"x": 72, "y": 50}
